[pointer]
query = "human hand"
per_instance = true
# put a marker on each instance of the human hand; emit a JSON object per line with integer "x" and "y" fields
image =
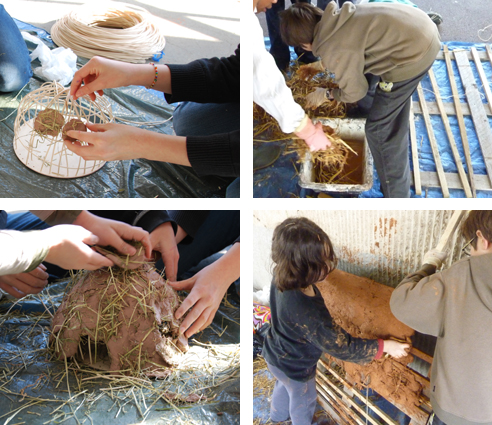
{"x": 435, "y": 257}
{"x": 395, "y": 349}
{"x": 114, "y": 233}
{"x": 207, "y": 288}
{"x": 20, "y": 284}
{"x": 69, "y": 250}
{"x": 107, "y": 142}
{"x": 316, "y": 98}
{"x": 163, "y": 240}
{"x": 314, "y": 136}
{"x": 101, "y": 73}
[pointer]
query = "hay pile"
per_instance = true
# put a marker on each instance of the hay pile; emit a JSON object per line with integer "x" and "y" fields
{"x": 121, "y": 319}
{"x": 328, "y": 164}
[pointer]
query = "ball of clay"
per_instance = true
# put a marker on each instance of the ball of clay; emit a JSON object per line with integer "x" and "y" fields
{"x": 49, "y": 122}
{"x": 73, "y": 124}
{"x": 121, "y": 319}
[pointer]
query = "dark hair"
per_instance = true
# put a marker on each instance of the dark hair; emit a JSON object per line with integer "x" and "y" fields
{"x": 302, "y": 254}
{"x": 297, "y": 23}
{"x": 477, "y": 220}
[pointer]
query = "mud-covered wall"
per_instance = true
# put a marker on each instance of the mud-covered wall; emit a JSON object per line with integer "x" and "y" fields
{"x": 381, "y": 245}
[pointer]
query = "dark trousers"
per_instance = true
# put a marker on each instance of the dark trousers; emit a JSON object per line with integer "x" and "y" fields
{"x": 279, "y": 50}
{"x": 292, "y": 399}
{"x": 206, "y": 119}
{"x": 387, "y": 133}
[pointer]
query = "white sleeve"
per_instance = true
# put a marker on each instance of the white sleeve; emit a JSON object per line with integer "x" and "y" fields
{"x": 269, "y": 88}
{"x": 21, "y": 251}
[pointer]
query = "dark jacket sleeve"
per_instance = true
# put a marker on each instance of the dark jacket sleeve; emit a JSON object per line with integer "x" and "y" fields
{"x": 333, "y": 340}
{"x": 146, "y": 219}
{"x": 189, "y": 220}
{"x": 217, "y": 155}
{"x": 214, "y": 80}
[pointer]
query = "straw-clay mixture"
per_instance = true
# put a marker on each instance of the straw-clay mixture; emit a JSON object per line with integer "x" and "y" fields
{"x": 73, "y": 124}
{"x": 49, "y": 122}
{"x": 361, "y": 307}
{"x": 121, "y": 319}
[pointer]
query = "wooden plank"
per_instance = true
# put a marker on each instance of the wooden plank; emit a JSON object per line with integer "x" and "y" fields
{"x": 482, "y": 126}
{"x": 415, "y": 153}
{"x": 481, "y": 55}
{"x": 489, "y": 53}
{"x": 461, "y": 121}
{"x": 346, "y": 398}
{"x": 483, "y": 77}
{"x": 448, "y": 107}
{"x": 452, "y": 143}
{"x": 433, "y": 143}
{"x": 431, "y": 179}
{"x": 421, "y": 355}
{"x": 361, "y": 397}
{"x": 450, "y": 229}
{"x": 330, "y": 401}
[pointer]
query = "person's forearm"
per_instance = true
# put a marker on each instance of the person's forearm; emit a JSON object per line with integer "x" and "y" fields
{"x": 162, "y": 147}
{"x": 229, "y": 265}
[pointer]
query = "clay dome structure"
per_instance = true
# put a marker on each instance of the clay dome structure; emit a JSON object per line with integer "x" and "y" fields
{"x": 120, "y": 319}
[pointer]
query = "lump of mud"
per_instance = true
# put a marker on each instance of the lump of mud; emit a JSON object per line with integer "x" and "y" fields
{"x": 73, "y": 124}
{"x": 120, "y": 319}
{"x": 49, "y": 122}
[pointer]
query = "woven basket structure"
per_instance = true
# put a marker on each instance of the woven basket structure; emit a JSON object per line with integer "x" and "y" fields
{"x": 48, "y": 154}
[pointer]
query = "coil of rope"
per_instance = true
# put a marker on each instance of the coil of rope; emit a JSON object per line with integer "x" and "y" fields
{"x": 112, "y": 31}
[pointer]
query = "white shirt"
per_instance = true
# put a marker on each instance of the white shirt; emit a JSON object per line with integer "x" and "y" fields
{"x": 269, "y": 88}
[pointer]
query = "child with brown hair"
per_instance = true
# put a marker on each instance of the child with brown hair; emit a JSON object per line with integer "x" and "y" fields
{"x": 394, "y": 43}
{"x": 301, "y": 327}
{"x": 456, "y": 307}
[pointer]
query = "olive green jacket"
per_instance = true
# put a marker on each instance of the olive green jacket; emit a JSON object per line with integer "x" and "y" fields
{"x": 394, "y": 41}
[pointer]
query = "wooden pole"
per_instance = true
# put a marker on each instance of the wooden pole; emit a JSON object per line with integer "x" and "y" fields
{"x": 450, "y": 229}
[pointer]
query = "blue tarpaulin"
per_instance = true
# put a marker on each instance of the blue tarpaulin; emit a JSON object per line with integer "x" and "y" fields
{"x": 281, "y": 180}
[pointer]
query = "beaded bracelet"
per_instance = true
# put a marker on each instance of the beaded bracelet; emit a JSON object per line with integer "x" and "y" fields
{"x": 156, "y": 74}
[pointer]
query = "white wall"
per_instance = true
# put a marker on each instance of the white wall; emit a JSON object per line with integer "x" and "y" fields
{"x": 382, "y": 245}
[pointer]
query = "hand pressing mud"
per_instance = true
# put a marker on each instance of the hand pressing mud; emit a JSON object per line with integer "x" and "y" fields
{"x": 396, "y": 349}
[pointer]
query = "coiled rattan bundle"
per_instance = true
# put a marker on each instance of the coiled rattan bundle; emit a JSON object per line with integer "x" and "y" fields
{"x": 46, "y": 153}
{"x": 113, "y": 31}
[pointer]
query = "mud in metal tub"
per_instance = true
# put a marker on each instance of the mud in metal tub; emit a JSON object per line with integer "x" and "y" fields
{"x": 347, "y": 129}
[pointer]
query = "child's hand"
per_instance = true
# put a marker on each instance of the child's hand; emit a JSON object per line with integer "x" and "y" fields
{"x": 395, "y": 349}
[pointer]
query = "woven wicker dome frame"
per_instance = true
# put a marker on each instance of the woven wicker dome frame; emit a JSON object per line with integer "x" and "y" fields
{"x": 47, "y": 154}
